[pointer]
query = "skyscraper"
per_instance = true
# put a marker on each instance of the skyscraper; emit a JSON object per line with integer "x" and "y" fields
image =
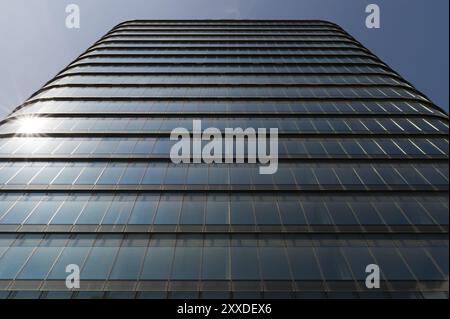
{"x": 362, "y": 183}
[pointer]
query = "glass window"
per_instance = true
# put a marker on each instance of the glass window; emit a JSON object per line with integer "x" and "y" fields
{"x": 415, "y": 213}
{"x": 440, "y": 255}
{"x": 303, "y": 263}
{"x": 128, "y": 263}
{"x": 133, "y": 174}
{"x": 438, "y": 211}
{"x": 432, "y": 175}
{"x": 197, "y": 175}
{"x": 358, "y": 258}
{"x": 168, "y": 212}
{"x": 316, "y": 213}
{"x": 12, "y": 261}
{"x": 242, "y": 213}
{"x": 215, "y": 264}
{"x": 291, "y": 213}
{"x": 347, "y": 176}
{"x": 421, "y": 264}
{"x": 366, "y": 213}
{"x": 143, "y": 211}
{"x": 391, "y": 213}
{"x": 43, "y": 212}
{"x": 411, "y": 176}
{"x": 274, "y": 265}
{"x": 266, "y": 213}
{"x": 390, "y": 175}
{"x": 93, "y": 212}
{"x": 68, "y": 212}
{"x": 19, "y": 212}
{"x": 176, "y": 175}
{"x": 217, "y": 175}
{"x": 216, "y": 212}
{"x": 67, "y": 175}
{"x": 368, "y": 176}
{"x": 326, "y": 176}
{"x": 239, "y": 175}
{"x": 333, "y": 264}
{"x": 39, "y": 264}
{"x": 111, "y": 174}
{"x": 304, "y": 176}
{"x": 244, "y": 263}
{"x": 390, "y": 263}
{"x": 193, "y": 212}
{"x": 24, "y": 175}
{"x": 186, "y": 264}
{"x": 154, "y": 175}
{"x": 341, "y": 213}
{"x": 119, "y": 212}
{"x": 99, "y": 263}
{"x": 70, "y": 255}
{"x": 45, "y": 176}
{"x": 157, "y": 263}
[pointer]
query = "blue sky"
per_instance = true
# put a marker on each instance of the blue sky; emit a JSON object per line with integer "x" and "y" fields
{"x": 413, "y": 38}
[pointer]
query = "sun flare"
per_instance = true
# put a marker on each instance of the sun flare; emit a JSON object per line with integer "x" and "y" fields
{"x": 29, "y": 125}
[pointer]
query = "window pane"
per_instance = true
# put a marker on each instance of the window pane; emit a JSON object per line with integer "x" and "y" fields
{"x": 303, "y": 263}
{"x": 186, "y": 264}
{"x": 244, "y": 263}
{"x": 216, "y": 263}
{"x": 157, "y": 263}
{"x": 128, "y": 263}
{"x": 274, "y": 264}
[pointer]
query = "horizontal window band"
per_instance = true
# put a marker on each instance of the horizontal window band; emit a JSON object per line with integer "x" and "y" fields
{"x": 139, "y": 191}
{"x": 203, "y": 64}
{"x": 202, "y": 22}
{"x": 204, "y": 286}
{"x": 213, "y": 72}
{"x": 223, "y": 229}
{"x": 225, "y": 85}
{"x": 224, "y": 29}
{"x": 227, "y": 22}
{"x": 309, "y": 41}
{"x": 238, "y": 86}
{"x": 225, "y": 32}
{"x": 230, "y": 74}
{"x": 232, "y": 33}
{"x": 250, "y": 46}
{"x": 244, "y": 36}
{"x": 100, "y": 47}
{"x": 338, "y": 240}
{"x": 223, "y": 55}
{"x": 273, "y": 188}
{"x": 429, "y": 159}
{"x": 177, "y": 94}
{"x": 166, "y": 134}
{"x": 239, "y": 99}
{"x": 326, "y": 108}
{"x": 205, "y": 115}
{"x": 358, "y": 196}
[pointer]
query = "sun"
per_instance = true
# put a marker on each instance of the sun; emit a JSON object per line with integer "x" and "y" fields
{"x": 29, "y": 125}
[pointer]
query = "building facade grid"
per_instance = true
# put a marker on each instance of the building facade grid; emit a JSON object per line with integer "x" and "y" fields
{"x": 86, "y": 178}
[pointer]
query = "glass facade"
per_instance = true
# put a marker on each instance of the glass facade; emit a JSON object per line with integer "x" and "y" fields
{"x": 86, "y": 176}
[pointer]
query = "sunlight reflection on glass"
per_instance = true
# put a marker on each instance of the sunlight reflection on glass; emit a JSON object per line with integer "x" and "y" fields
{"x": 29, "y": 125}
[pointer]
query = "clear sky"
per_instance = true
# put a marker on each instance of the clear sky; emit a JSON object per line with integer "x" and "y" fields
{"x": 35, "y": 44}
